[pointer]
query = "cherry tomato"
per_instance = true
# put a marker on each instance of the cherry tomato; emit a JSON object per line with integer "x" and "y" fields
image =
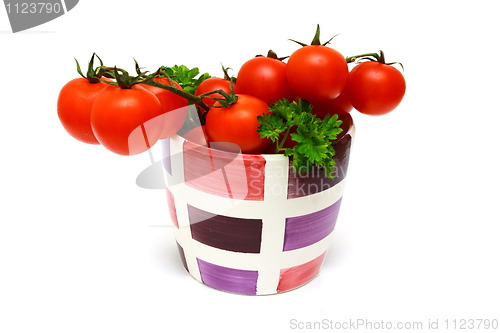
{"x": 211, "y": 84}
{"x": 339, "y": 104}
{"x": 375, "y": 88}
{"x": 174, "y": 107}
{"x": 317, "y": 73}
{"x": 237, "y": 124}
{"x": 127, "y": 121}
{"x": 264, "y": 78}
{"x": 74, "y": 105}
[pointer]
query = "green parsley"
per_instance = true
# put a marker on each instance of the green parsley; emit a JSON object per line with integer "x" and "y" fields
{"x": 314, "y": 137}
{"x": 188, "y": 79}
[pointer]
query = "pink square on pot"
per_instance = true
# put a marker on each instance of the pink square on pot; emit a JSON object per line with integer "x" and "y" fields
{"x": 225, "y": 174}
{"x": 171, "y": 208}
{"x": 293, "y": 277}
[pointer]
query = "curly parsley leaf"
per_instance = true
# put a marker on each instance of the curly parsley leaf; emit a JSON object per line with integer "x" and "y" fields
{"x": 271, "y": 127}
{"x": 314, "y": 137}
{"x": 188, "y": 79}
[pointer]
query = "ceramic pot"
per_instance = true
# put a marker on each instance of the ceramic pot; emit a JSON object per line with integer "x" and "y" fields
{"x": 250, "y": 224}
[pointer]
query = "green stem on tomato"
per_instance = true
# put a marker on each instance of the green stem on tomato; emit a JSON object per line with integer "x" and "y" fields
{"x": 150, "y": 81}
{"x": 227, "y": 99}
{"x": 315, "y": 40}
{"x": 93, "y": 75}
{"x": 226, "y": 74}
{"x": 126, "y": 81}
{"x": 218, "y": 91}
{"x": 379, "y": 57}
{"x": 353, "y": 58}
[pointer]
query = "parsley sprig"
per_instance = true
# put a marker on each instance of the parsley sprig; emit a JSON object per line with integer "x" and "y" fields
{"x": 188, "y": 78}
{"x": 314, "y": 137}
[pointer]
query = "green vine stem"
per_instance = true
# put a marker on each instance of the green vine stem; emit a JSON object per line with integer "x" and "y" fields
{"x": 364, "y": 56}
{"x": 150, "y": 81}
{"x": 125, "y": 81}
{"x": 378, "y": 57}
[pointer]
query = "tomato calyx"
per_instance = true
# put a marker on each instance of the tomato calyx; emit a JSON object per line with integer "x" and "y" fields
{"x": 227, "y": 99}
{"x": 271, "y": 54}
{"x": 226, "y": 74}
{"x": 315, "y": 40}
{"x": 124, "y": 80}
{"x": 93, "y": 75}
{"x": 377, "y": 57}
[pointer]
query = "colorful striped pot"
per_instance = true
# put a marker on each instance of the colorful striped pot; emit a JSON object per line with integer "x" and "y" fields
{"x": 249, "y": 224}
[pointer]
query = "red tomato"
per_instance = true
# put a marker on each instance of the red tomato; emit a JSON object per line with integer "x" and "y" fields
{"x": 375, "y": 88}
{"x": 127, "y": 121}
{"x": 174, "y": 107}
{"x": 237, "y": 124}
{"x": 317, "y": 73}
{"x": 211, "y": 84}
{"x": 264, "y": 78}
{"x": 336, "y": 105}
{"x": 74, "y": 105}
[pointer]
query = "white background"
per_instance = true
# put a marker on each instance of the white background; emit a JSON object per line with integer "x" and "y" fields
{"x": 84, "y": 249}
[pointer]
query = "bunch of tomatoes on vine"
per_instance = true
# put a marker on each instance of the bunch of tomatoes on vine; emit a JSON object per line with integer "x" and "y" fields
{"x": 293, "y": 105}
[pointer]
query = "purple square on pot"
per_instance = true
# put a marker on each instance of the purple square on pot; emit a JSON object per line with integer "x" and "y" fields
{"x": 228, "y": 279}
{"x": 305, "y": 230}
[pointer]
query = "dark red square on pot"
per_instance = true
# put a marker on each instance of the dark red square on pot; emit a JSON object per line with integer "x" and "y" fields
{"x": 225, "y": 232}
{"x": 305, "y": 182}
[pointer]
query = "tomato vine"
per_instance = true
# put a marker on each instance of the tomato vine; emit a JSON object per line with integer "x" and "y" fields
{"x": 378, "y": 57}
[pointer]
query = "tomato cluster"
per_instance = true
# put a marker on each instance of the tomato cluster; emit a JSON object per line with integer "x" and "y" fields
{"x": 125, "y": 118}
{"x": 127, "y": 115}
